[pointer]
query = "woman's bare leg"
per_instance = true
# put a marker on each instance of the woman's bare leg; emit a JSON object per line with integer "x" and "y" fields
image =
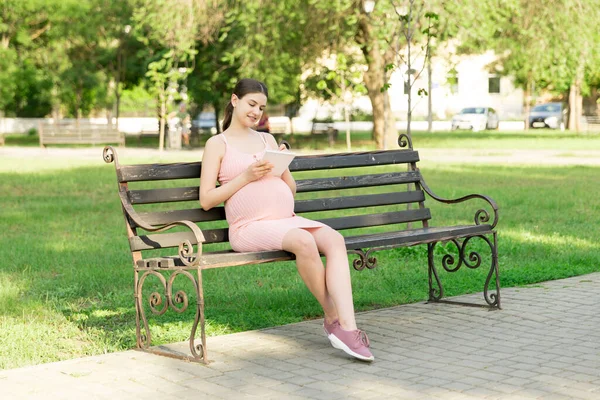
{"x": 311, "y": 269}
{"x": 337, "y": 273}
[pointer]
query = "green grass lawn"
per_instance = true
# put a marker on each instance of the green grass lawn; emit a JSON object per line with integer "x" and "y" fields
{"x": 66, "y": 277}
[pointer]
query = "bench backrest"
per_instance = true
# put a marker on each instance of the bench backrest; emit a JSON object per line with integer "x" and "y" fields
{"x": 350, "y": 192}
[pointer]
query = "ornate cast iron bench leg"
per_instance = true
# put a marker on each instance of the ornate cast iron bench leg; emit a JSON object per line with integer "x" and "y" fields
{"x": 178, "y": 303}
{"x": 471, "y": 260}
{"x": 436, "y": 292}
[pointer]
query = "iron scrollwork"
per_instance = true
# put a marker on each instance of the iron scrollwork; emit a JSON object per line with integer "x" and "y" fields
{"x": 177, "y": 302}
{"x": 472, "y": 260}
{"x": 365, "y": 259}
{"x": 404, "y": 140}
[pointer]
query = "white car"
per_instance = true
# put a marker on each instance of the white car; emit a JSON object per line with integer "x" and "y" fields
{"x": 476, "y": 118}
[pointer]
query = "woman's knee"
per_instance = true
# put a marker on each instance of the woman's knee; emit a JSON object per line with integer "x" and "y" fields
{"x": 300, "y": 242}
{"x": 330, "y": 239}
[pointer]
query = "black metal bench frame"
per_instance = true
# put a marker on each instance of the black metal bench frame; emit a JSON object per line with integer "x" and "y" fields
{"x": 190, "y": 262}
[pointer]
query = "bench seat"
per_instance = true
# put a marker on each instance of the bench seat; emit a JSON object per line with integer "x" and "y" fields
{"x": 227, "y": 258}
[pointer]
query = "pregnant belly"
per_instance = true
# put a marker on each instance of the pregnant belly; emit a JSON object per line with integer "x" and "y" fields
{"x": 267, "y": 198}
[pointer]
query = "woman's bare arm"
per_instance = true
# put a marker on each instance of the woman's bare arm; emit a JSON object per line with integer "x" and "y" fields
{"x": 210, "y": 194}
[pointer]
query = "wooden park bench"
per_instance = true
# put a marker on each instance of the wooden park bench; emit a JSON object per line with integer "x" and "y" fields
{"x": 325, "y": 128}
{"x": 83, "y": 134}
{"x": 364, "y": 195}
{"x": 592, "y": 123}
{"x": 280, "y": 125}
{"x": 144, "y": 134}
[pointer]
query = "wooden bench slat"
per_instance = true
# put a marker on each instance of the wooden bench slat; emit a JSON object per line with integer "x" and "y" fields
{"x": 387, "y": 239}
{"x": 156, "y": 241}
{"x": 153, "y": 172}
{"x": 339, "y": 203}
{"x": 192, "y": 193}
{"x": 348, "y": 160}
{"x": 220, "y": 259}
{"x": 193, "y": 214}
{"x": 165, "y": 195}
{"x": 166, "y": 240}
{"x": 157, "y": 172}
{"x": 218, "y": 213}
{"x": 351, "y": 182}
{"x": 414, "y": 236}
{"x": 362, "y": 221}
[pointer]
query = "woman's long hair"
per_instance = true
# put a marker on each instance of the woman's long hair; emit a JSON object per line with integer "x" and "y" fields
{"x": 242, "y": 88}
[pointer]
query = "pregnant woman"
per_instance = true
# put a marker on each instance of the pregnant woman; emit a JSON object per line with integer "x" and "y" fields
{"x": 260, "y": 213}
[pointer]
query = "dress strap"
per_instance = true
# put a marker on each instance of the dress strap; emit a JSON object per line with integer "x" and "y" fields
{"x": 224, "y": 138}
{"x": 262, "y": 136}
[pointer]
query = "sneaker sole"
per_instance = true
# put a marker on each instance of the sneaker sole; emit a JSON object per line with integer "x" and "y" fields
{"x": 338, "y": 344}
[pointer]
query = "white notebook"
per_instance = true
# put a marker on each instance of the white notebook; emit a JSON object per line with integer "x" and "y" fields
{"x": 280, "y": 159}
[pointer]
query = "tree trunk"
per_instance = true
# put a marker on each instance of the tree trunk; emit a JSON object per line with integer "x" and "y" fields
{"x": 375, "y": 80}
{"x": 163, "y": 107}
{"x": 527, "y": 111}
{"x": 391, "y": 139}
{"x": 575, "y": 98}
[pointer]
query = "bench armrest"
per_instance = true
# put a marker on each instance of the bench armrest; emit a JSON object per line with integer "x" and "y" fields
{"x": 481, "y": 215}
{"x": 186, "y": 249}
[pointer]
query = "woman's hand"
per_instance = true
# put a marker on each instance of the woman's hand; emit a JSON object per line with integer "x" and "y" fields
{"x": 258, "y": 170}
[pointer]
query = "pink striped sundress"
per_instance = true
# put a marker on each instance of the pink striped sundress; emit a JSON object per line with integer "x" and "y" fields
{"x": 262, "y": 212}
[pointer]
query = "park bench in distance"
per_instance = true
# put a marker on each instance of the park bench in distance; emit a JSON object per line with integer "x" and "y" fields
{"x": 592, "y": 123}
{"x": 362, "y": 194}
{"x": 83, "y": 134}
{"x": 325, "y": 128}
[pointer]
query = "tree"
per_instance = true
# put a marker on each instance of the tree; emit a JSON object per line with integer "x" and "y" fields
{"x": 170, "y": 29}
{"x": 375, "y": 27}
{"x": 340, "y": 84}
{"x": 255, "y": 40}
{"x": 544, "y": 45}
{"x": 24, "y": 36}
{"x": 417, "y": 27}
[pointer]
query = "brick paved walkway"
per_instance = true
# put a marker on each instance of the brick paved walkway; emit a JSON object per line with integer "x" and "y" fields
{"x": 544, "y": 344}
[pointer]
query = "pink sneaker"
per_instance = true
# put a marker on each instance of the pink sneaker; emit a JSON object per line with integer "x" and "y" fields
{"x": 329, "y": 328}
{"x": 356, "y": 343}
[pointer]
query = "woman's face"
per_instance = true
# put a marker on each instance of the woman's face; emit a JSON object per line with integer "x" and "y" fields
{"x": 249, "y": 108}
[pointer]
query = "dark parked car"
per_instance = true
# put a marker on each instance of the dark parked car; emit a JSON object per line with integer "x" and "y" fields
{"x": 204, "y": 122}
{"x": 548, "y": 115}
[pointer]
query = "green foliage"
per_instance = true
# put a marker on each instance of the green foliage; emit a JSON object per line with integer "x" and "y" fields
{"x": 339, "y": 84}
{"x": 138, "y": 101}
{"x": 358, "y": 114}
{"x": 8, "y": 85}
{"x": 540, "y": 43}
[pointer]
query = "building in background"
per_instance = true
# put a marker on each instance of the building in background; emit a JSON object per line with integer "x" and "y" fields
{"x": 457, "y": 82}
